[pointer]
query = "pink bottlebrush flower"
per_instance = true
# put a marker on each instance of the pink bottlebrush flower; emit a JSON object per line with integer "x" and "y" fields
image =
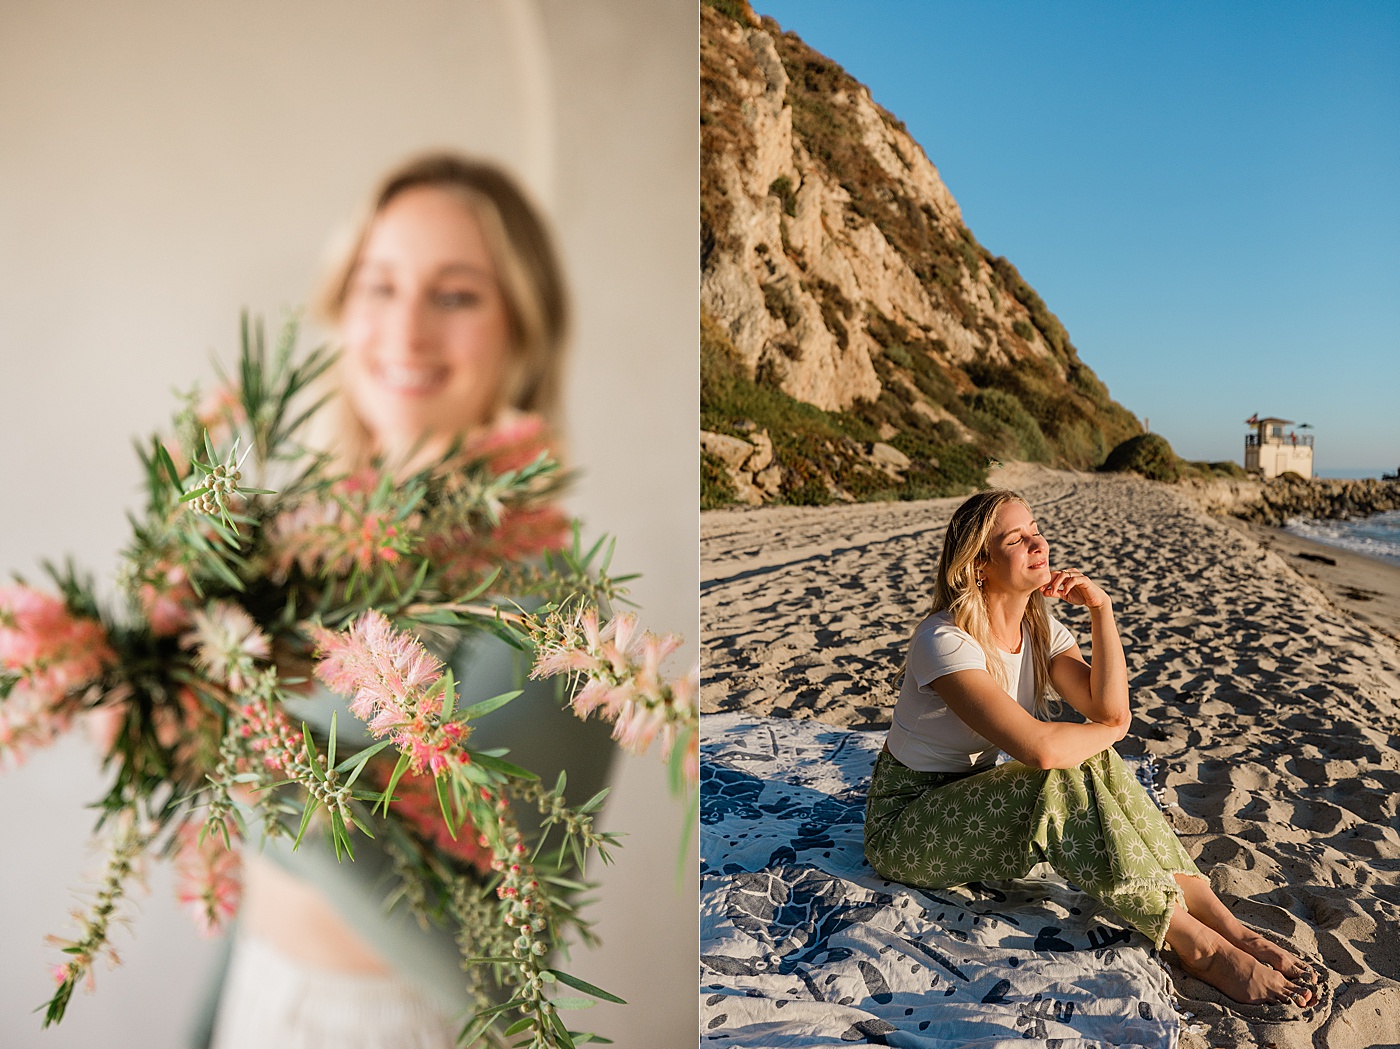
{"x": 208, "y": 878}
{"x": 226, "y": 641}
{"x": 361, "y": 482}
{"x": 522, "y": 534}
{"x": 391, "y": 681}
{"x": 269, "y": 733}
{"x": 375, "y": 540}
{"x": 52, "y": 651}
{"x": 168, "y": 602}
{"x": 620, "y": 667}
{"x": 516, "y": 440}
{"x": 690, "y": 767}
{"x": 526, "y": 533}
{"x": 27, "y": 723}
{"x": 308, "y": 536}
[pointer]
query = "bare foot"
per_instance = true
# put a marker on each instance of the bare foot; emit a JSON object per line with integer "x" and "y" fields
{"x": 1245, "y": 979}
{"x": 1275, "y": 957}
{"x": 1209, "y": 956}
{"x": 1210, "y": 910}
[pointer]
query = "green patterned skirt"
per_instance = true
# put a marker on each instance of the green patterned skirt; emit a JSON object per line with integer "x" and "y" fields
{"x": 1093, "y": 823}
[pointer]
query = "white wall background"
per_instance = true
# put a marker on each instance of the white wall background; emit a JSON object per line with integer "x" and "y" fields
{"x": 164, "y": 164}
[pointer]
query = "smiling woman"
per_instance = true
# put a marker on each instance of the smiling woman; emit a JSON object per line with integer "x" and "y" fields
{"x": 978, "y": 671}
{"x": 450, "y": 305}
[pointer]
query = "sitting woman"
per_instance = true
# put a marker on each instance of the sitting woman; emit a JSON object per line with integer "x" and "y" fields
{"x": 941, "y": 813}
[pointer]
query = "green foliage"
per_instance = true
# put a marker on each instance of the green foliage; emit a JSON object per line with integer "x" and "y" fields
{"x": 715, "y": 487}
{"x": 1147, "y": 454}
{"x": 787, "y": 196}
{"x": 1078, "y": 429}
{"x": 833, "y": 136}
{"x": 406, "y": 551}
{"x": 738, "y": 10}
{"x": 836, "y": 309}
{"x": 1003, "y": 409}
{"x": 1023, "y": 329}
{"x": 817, "y": 449}
{"x": 779, "y": 302}
{"x": 1046, "y": 322}
{"x": 1209, "y": 471}
{"x": 899, "y": 355}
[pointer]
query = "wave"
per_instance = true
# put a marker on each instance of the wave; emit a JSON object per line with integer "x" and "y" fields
{"x": 1377, "y": 536}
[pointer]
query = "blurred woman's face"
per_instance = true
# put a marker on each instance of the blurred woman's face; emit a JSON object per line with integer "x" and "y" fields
{"x": 425, "y": 327}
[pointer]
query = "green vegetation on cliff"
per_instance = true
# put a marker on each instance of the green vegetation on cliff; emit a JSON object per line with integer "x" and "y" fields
{"x": 1023, "y": 394}
{"x": 822, "y": 454}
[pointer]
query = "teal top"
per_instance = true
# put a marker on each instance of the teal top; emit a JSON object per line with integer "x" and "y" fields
{"x": 542, "y": 735}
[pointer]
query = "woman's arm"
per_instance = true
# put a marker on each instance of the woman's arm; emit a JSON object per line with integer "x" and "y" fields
{"x": 1099, "y": 692}
{"x": 984, "y": 706}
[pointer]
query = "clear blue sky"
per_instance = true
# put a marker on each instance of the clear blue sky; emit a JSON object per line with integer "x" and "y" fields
{"x": 1206, "y": 193}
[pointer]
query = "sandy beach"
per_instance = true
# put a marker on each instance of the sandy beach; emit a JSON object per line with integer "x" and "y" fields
{"x": 1266, "y": 686}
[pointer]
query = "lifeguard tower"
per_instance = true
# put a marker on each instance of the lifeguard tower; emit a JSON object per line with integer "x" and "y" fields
{"x": 1271, "y": 451}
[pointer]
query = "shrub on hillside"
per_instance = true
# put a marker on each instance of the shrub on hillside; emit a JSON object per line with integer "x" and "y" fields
{"x": 1210, "y": 471}
{"x": 1147, "y": 454}
{"x": 1006, "y": 409}
{"x": 716, "y": 490}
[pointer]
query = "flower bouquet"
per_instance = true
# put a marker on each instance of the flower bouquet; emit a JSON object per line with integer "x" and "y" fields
{"x": 255, "y": 570}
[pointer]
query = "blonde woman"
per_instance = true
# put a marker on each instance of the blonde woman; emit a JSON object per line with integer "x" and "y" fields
{"x": 941, "y": 812}
{"x": 450, "y": 308}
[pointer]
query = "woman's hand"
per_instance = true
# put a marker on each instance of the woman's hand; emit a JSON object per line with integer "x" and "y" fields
{"x": 1074, "y": 586}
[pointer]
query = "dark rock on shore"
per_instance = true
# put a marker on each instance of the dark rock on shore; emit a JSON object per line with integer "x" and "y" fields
{"x": 1274, "y": 502}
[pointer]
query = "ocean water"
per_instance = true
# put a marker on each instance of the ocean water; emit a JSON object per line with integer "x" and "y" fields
{"x": 1376, "y": 536}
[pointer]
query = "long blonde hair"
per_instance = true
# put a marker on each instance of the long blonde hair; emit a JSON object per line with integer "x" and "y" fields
{"x": 527, "y": 266}
{"x": 956, "y": 592}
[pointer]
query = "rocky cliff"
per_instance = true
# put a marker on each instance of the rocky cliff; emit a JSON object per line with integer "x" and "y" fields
{"x": 857, "y": 339}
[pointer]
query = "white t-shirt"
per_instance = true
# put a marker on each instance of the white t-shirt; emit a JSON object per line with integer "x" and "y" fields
{"x": 927, "y": 736}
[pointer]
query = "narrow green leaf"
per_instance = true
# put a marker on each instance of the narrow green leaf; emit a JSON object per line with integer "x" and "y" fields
{"x": 449, "y": 695}
{"x": 169, "y": 464}
{"x": 476, "y": 710}
{"x": 399, "y": 770}
{"x": 330, "y": 743}
{"x": 565, "y": 1039}
{"x": 360, "y": 757}
{"x": 443, "y": 800}
{"x": 305, "y": 821}
{"x": 505, "y": 768}
{"x": 480, "y": 587}
{"x": 310, "y": 749}
{"x": 593, "y": 802}
{"x": 676, "y": 764}
{"x": 593, "y": 551}
{"x": 573, "y": 1003}
{"x": 585, "y": 986}
{"x": 523, "y": 1024}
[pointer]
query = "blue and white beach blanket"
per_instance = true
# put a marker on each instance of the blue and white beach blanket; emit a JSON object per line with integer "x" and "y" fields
{"x": 803, "y": 944}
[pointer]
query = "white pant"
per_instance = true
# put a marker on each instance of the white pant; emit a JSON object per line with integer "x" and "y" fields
{"x": 271, "y": 1001}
